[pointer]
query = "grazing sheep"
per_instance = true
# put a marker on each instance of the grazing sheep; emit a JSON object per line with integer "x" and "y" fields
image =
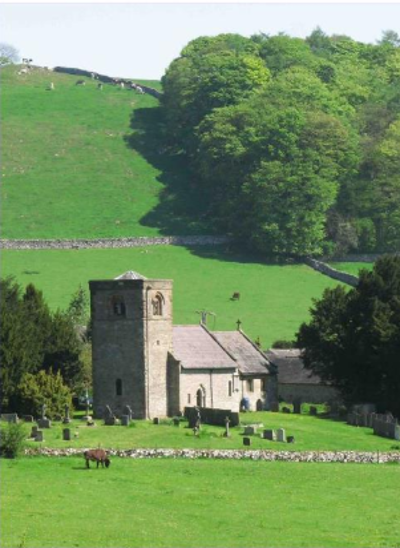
{"x": 51, "y": 86}
{"x": 97, "y": 455}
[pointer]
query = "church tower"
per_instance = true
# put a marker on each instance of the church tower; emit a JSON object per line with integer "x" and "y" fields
{"x": 131, "y": 337}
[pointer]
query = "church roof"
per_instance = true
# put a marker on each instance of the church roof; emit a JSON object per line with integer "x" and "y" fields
{"x": 291, "y": 368}
{"x": 196, "y": 348}
{"x": 249, "y": 358}
{"x": 130, "y": 275}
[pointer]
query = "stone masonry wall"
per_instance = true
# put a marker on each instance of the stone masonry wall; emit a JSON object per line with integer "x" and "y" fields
{"x": 324, "y": 268}
{"x": 113, "y": 242}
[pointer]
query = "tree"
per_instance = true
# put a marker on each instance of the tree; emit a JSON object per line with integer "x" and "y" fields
{"x": 8, "y": 54}
{"x": 353, "y": 338}
{"x": 78, "y": 307}
{"x": 42, "y": 388}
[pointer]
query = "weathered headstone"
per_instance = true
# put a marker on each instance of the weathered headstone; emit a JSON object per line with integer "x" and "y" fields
{"x": 43, "y": 411}
{"x": 250, "y": 430}
{"x": 227, "y": 433}
{"x": 290, "y": 439}
{"x": 156, "y": 420}
{"x": 246, "y": 441}
{"x": 10, "y": 417}
{"x": 281, "y": 434}
{"x": 28, "y": 418}
{"x": 285, "y": 410}
{"x": 313, "y": 410}
{"x": 177, "y": 422}
{"x": 44, "y": 423}
{"x": 297, "y": 407}
{"x": 125, "y": 420}
{"x": 109, "y": 417}
{"x": 66, "y": 434}
{"x": 66, "y": 419}
{"x": 269, "y": 435}
{"x": 128, "y": 411}
{"x": 34, "y": 431}
{"x": 39, "y": 435}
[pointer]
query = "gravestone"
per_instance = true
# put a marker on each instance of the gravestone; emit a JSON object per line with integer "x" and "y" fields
{"x": 125, "y": 420}
{"x": 290, "y": 439}
{"x": 34, "y": 431}
{"x": 44, "y": 423}
{"x": 39, "y": 435}
{"x": 66, "y": 419}
{"x": 58, "y": 418}
{"x": 285, "y": 410}
{"x": 128, "y": 411}
{"x": 246, "y": 441}
{"x": 177, "y": 422}
{"x": 297, "y": 407}
{"x": 10, "y": 417}
{"x": 109, "y": 418}
{"x": 66, "y": 434}
{"x": 313, "y": 410}
{"x": 28, "y": 418}
{"x": 250, "y": 430}
{"x": 227, "y": 433}
{"x": 269, "y": 435}
{"x": 43, "y": 411}
{"x": 274, "y": 407}
{"x": 281, "y": 434}
{"x": 156, "y": 420}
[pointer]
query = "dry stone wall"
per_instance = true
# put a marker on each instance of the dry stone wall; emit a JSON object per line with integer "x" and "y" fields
{"x": 326, "y": 269}
{"x": 113, "y": 242}
{"x": 234, "y": 454}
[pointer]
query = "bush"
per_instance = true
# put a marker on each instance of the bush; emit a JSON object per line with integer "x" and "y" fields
{"x": 12, "y": 440}
{"x": 42, "y": 388}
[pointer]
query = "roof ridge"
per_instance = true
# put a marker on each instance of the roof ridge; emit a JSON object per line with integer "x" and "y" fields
{"x": 217, "y": 341}
{"x": 270, "y": 365}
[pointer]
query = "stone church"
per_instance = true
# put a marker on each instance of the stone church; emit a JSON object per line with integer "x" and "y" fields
{"x": 142, "y": 360}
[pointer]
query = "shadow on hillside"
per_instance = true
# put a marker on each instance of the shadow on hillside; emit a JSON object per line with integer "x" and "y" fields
{"x": 181, "y": 210}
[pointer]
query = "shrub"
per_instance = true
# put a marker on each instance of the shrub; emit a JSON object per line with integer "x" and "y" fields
{"x": 12, "y": 439}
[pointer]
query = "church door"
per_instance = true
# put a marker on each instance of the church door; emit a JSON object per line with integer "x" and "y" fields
{"x": 199, "y": 398}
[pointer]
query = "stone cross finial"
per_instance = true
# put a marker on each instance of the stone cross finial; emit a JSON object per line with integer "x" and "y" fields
{"x": 238, "y": 323}
{"x": 44, "y": 411}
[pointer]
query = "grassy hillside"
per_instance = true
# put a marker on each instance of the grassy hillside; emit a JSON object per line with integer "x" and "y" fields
{"x": 49, "y": 502}
{"x": 79, "y": 162}
{"x": 274, "y": 299}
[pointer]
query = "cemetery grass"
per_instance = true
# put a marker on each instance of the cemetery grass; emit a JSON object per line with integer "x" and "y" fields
{"x": 274, "y": 299}
{"x": 49, "y": 502}
{"x": 73, "y": 167}
{"x": 311, "y": 434}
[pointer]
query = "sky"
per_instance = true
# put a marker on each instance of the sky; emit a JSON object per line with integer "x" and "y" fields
{"x": 137, "y": 40}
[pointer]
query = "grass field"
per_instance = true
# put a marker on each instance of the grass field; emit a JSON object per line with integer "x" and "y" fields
{"x": 79, "y": 162}
{"x": 175, "y": 503}
{"x": 311, "y": 434}
{"x": 274, "y": 299}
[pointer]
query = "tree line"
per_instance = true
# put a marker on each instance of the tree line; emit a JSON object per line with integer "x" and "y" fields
{"x": 45, "y": 357}
{"x": 294, "y": 143}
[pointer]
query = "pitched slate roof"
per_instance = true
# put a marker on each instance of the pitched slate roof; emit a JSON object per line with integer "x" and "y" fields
{"x": 130, "y": 275}
{"x": 250, "y": 360}
{"x": 196, "y": 348}
{"x": 291, "y": 368}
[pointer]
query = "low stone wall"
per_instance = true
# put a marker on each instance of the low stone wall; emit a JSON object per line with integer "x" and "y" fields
{"x": 113, "y": 242}
{"x": 106, "y": 79}
{"x": 382, "y": 425}
{"x": 332, "y": 272}
{"x": 233, "y": 454}
{"x": 364, "y": 258}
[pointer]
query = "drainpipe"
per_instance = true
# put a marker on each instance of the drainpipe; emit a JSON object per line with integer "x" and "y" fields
{"x": 211, "y": 390}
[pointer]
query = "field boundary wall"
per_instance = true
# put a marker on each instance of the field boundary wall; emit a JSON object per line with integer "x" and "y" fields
{"x": 328, "y": 270}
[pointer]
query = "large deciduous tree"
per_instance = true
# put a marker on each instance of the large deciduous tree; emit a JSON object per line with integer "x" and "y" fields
{"x": 353, "y": 338}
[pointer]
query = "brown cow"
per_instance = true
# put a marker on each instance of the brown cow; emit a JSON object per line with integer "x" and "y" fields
{"x": 97, "y": 455}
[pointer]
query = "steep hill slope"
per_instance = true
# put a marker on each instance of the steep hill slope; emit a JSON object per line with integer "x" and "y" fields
{"x": 74, "y": 161}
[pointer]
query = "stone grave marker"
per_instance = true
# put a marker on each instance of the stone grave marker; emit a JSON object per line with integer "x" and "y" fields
{"x": 28, "y": 418}
{"x": 269, "y": 435}
{"x": 66, "y": 419}
{"x": 250, "y": 430}
{"x": 297, "y": 407}
{"x": 128, "y": 411}
{"x": 34, "y": 431}
{"x": 39, "y": 435}
{"x": 125, "y": 420}
{"x": 227, "y": 433}
{"x": 109, "y": 419}
{"x": 176, "y": 421}
{"x": 313, "y": 410}
{"x": 156, "y": 420}
{"x": 44, "y": 423}
{"x": 10, "y": 417}
{"x": 66, "y": 434}
{"x": 290, "y": 439}
{"x": 246, "y": 441}
{"x": 281, "y": 434}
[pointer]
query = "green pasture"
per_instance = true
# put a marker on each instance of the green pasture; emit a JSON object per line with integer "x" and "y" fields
{"x": 80, "y": 162}
{"x": 311, "y": 434}
{"x": 352, "y": 268}
{"x": 274, "y": 299}
{"x": 49, "y": 502}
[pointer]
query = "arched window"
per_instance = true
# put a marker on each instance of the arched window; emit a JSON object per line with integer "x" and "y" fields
{"x": 229, "y": 388}
{"x": 118, "y": 306}
{"x": 201, "y": 397}
{"x": 157, "y": 303}
{"x": 118, "y": 387}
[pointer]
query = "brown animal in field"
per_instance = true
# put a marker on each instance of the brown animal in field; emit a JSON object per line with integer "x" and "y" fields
{"x": 97, "y": 455}
{"x": 235, "y": 296}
